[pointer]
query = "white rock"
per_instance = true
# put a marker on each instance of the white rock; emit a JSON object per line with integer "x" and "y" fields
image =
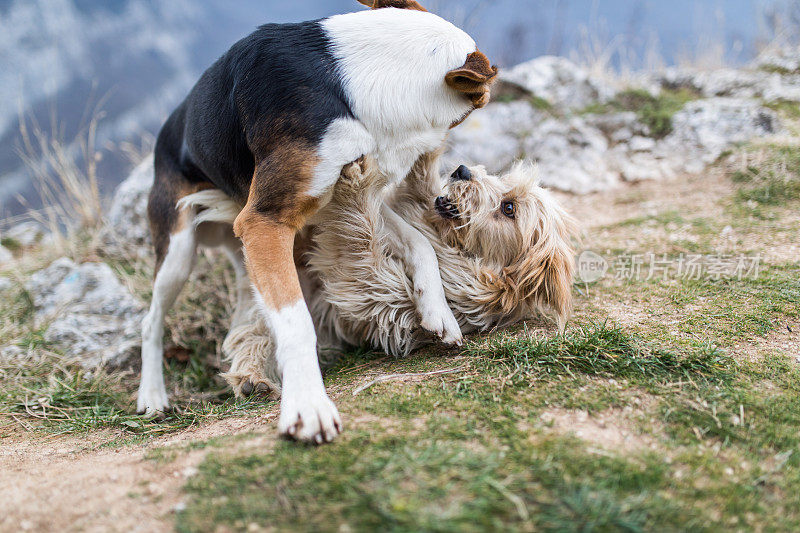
{"x": 738, "y": 83}
{"x": 559, "y": 81}
{"x": 91, "y": 315}
{"x": 5, "y": 284}
{"x": 730, "y": 82}
{"x": 776, "y": 88}
{"x": 5, "y": 255}
{"x": 571, "y": 156}
{"x": 706, "y": 128}
{"x": 491, "y": 136}
{"x": 786, "y": 59}
{"x": 641, "y": 144}
{"x": 622, "y": 135}
{"x": 639, "y": 166}
{"x": 26, "y": 233}
{"x": 127, "y": 228}
{"x": 619, "y": 127}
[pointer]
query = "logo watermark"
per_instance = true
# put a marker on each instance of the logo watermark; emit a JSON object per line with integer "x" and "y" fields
{"x": 592, "y": 267}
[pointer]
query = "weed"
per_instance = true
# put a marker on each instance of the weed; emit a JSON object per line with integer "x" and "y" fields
{"x": 655, "y": 112}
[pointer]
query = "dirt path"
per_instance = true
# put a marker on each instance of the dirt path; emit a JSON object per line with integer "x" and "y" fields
{"x": 81, "y": 483}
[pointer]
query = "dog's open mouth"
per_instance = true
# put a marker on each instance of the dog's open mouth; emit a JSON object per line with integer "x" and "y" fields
{"x": 446, "y": 208}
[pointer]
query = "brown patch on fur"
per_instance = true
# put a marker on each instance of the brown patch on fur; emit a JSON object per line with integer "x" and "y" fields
{"x": 399, "y": 4}
{"x": 277, "y": 209}
{"x": 282, "y": 177}
{"x": 162, "y": 212}
{"x": 269, "y": 249}
{"x": 474, "y": 78}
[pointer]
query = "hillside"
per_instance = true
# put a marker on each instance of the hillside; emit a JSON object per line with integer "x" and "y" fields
{"x": 670, "y": 403}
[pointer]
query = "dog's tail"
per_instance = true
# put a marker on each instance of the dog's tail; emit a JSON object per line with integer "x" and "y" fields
{"x": 211, "y": 205}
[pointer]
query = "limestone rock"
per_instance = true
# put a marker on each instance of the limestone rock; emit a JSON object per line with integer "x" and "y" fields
{"x": 571, "y": 156}
{"x": 491, "y": 136}
{"x": 127, "y": 229}
{"x": 88, "y": 312}
{"x": 558, "y": 81}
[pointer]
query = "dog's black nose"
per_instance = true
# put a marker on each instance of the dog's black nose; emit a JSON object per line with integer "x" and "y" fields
{"x": 462, "y": 173}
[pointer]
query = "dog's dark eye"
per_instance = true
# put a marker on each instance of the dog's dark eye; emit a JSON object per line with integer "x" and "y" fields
{"x": 509, "y": 209}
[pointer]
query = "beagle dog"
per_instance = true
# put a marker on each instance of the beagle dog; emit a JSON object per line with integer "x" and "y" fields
{"x": 272, "y": 124}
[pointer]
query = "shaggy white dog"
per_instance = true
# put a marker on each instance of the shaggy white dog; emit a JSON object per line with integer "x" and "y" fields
{"x": 503, "y": 243}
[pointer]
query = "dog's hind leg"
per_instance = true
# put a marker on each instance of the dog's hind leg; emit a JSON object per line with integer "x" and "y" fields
{"x": 175, "y": 240}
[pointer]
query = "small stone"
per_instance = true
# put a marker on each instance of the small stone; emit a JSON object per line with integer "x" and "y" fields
{"x": 641, "y": 144}
{"x": 26, "y": 233}
{"x": 5, "y": 255}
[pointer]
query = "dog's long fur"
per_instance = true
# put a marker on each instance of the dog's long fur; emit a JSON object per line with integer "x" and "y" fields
{"x": 359, "y": 292}
{"x": 492, "y": 276}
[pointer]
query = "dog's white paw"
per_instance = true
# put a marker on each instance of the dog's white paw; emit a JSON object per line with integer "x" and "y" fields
{"x": 152, "y": 400}
{"x": 442, "y": 323}
{"x": 309, "y": 417}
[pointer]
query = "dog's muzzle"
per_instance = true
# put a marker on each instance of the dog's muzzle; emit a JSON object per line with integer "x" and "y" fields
{"x": 462, "y": 173}
{"x": 446, "y": 208}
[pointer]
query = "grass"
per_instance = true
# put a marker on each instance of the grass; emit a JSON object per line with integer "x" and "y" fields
{"x": 655, "y": 112}
{"x": 480, "y": 460}
{"x": 536, "y": 102}
{"x": 771, "y": 179}
{"x": 600, "y": 350}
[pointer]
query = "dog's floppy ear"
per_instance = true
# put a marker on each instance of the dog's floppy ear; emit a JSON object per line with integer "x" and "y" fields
{"x": 474, "y": 78}
{"x": 543, "y": 279}
{"x": 399, "y": 4}
{"x": 541, "y": 275}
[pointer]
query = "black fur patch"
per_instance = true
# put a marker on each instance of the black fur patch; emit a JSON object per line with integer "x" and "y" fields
{"x": 280, "y": 84}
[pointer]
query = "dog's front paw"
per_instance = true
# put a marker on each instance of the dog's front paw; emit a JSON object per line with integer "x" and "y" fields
{"x": 443, "y": 324}
{"x": 309, "y": 417}
{"x": 152, "y": 400}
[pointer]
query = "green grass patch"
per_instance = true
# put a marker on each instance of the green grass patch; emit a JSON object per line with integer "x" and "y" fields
{"x": 734, "y": 310}
{"x": 655, "y": 112}
{"x": 786, "y": 108}
{"x": 443, "y": 478}
{"x": 773, "y": 181}
{"x": 600, "y": 350}
{"x": 11, "y": 243}
{"x": 70, "y": 400}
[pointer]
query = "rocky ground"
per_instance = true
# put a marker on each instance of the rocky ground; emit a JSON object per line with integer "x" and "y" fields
{"x": 670, "y": 403}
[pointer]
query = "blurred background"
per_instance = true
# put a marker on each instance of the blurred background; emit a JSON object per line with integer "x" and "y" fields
{"x": 107, "y": 72}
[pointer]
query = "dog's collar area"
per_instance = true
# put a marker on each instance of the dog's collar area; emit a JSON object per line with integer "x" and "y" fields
{"x": 446, "y": 208}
